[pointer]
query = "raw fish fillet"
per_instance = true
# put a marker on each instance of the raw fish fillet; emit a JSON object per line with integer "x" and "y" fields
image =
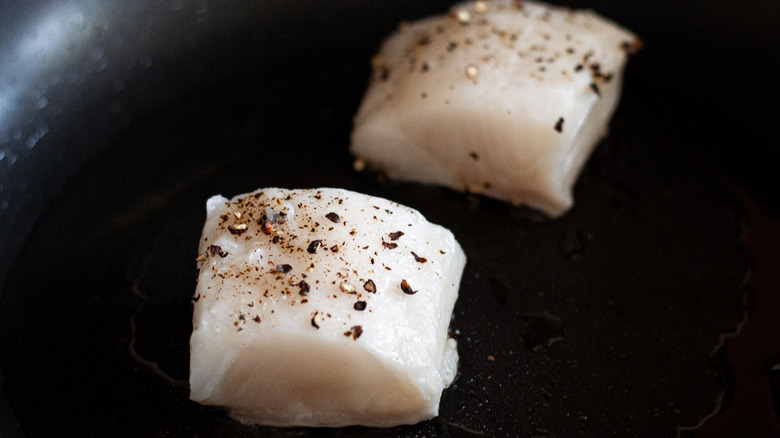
{"x": 503, "y": 98}
{"x": 323, "y": 307}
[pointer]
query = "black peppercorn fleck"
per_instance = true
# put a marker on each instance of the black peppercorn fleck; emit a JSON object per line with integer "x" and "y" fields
{"x": 333, "y": 217}
{"x": 355, "y": 331}
{"x": 312, "y": 249}
{"x": 559, "y": 125}
{"x": 396, "y": 235}
{"x": 419, "y": 259}
{"x": 237, "y": 229}
{"x": 406, "y": 288}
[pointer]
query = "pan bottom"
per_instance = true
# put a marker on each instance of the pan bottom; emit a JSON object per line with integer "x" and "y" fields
{"x": 600, "y": 322}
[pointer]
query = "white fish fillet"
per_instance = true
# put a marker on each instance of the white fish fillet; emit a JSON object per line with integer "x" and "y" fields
{"x": 350, "y": 330}
{"x": 502, "y": 98}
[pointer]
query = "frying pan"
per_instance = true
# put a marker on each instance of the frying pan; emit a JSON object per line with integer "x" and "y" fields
{"x": 650, "y": 307}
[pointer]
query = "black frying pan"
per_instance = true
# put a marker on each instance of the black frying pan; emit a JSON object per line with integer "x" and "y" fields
{"x": 119, "y": 119}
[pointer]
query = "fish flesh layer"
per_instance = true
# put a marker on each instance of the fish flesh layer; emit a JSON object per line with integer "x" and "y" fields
{"x": 323, "y": 307}
{"x": 503, "y": 98}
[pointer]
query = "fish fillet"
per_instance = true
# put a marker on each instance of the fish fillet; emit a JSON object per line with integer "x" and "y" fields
{"x": 502, "y": 98}
{"x": 323, "y": 307}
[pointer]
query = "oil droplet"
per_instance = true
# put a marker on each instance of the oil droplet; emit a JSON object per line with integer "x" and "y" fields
{"x": 541, "y": 330}
{"x": 539, "y": 433}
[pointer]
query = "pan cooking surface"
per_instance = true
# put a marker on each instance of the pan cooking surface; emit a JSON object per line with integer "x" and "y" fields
{"x": 601, "y": 322}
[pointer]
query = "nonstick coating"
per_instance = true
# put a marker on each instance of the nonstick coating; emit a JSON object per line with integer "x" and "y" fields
{"x": 644, "y": 274}
{"x": 603, "y": 322}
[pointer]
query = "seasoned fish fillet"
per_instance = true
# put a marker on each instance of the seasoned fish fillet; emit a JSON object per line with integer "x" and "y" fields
{"x": 503, "y": 98}
{"x": 323, "y": 307}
